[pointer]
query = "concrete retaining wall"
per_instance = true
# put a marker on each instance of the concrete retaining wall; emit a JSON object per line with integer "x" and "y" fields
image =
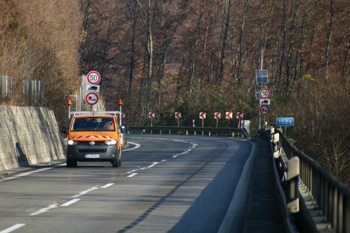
{"x": 28, "y": 136}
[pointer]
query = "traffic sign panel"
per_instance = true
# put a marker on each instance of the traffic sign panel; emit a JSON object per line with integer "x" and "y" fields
{"x": 177, "y": 115}
{"x": 217, "y": 115}
{"x": 93, "y": 88}
{"x": 91, "y": 98}
{"x": 264, "y": 110}
{"x": 229, "y": 115}
{"x": 239, "y": 115}
{"x": 93, "y": 77}
{"x": 265, "y": 93}
{"x": 285, "y": 121}
{"x": 261, "y": 76}
{"x": 123, "y": 116}
{"x": 151, "y": 115}
{"x": 202, "y": 115}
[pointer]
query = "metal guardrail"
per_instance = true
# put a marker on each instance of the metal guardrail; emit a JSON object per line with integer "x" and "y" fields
{"x": 331, "y": 196}
{"x": 239, "y": 131}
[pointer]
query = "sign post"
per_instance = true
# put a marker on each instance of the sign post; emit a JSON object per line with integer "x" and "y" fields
{"x": 261, "y": 78}
{"x": 151, "y": 115}
{"x": 178, "y": 116}
{"x": 93, "y": 87}
{"x": 285, "y": 121}
{"x": 217, "y": 116}
{"x": 202, "y": 115}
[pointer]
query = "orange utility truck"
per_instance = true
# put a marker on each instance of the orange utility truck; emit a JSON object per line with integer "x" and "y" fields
{"x": 94, "y": 136}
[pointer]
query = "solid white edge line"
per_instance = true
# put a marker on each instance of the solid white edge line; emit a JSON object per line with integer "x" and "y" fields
{"x": 134, "y": 148}
{"x": 25, "y": 174}
{"x": 68, "y": 203}
{"x": 13, "y": 228}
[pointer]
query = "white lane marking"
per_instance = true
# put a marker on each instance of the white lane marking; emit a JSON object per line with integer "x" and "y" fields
{"x": 25, "y": 174}
{"x": 132, "y": 171}
{"x": 107, "y": 185}
{"x": 43, "y": 210}
{"x": 152, "y": 165}
{"x": 13, "y": 228}
{"x": 132, "y": 175}
{"x": 134, "y": 148}
{"x": 84, "y": 192}
{"x": 71, "y": 202}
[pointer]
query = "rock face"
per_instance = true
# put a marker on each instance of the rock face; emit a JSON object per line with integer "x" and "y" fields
{"x": 28, "y": 136}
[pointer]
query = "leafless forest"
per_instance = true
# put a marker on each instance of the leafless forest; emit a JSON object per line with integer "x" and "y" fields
{"x": 190, "y": 56}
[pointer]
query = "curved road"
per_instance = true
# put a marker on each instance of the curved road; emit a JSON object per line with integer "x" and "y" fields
{"x": 167, "y": 183}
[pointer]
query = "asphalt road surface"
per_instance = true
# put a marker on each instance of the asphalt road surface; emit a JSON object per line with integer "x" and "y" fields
{"x": 167, "y": 183}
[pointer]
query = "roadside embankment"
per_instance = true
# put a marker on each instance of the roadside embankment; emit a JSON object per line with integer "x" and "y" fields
{"x": 28, "y": 136}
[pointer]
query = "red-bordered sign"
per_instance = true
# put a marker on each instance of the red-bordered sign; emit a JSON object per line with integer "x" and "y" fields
{"x": 91, "y": 98}
{"x": 93, "y": 77}
{"x": 239, "y": 115}
{"x": 217, "y": 115}
{"x": 152, "y": 115}
{"x": 178, "y": 115}
{"x": 265, "y": 93}
{"x": 264, "y": 110}
{"x": 202, "y": 115}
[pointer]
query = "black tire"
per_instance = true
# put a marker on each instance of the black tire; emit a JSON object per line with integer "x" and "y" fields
{"x": 115, "y": 163}
{"x": 118, "y": 161}
{"x": 71, "y": 163}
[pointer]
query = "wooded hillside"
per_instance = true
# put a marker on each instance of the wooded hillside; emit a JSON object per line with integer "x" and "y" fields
{"x": 191, "y": 56}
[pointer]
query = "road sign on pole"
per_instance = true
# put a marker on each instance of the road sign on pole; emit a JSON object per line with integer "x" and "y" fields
{"x": 285, "y": 121}
{"x": 93, "y": 77}
{"x": 151, "y": 115}
{"x": 177, "y": 115}
{"x": 239, "y": 115}
{"x": 91, "y": 98}
{"x": 264, "y": 110}
{"x": 217, "y": 115}
{"x": 202, "y": 115}
{"x": 229, "y": 115}
{"x": 265, "y": 93}
{"x": 261, "y": 76}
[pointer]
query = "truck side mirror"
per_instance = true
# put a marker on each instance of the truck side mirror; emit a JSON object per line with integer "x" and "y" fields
{"x": 122, "y": 128}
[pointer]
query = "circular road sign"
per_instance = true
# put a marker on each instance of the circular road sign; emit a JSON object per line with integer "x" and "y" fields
{"x": 264, "y": 110}
{"x": 91, "y": 98}
{"x": 265, "y": 93}
{"x": 93, "y": 77}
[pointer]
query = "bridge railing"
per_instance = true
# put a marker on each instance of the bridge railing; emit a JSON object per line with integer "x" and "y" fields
{"x": 331, "y": 196}
{"x": 235, "y": 132}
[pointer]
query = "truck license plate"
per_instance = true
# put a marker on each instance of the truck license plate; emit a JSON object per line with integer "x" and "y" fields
{"x": 92, "y": 156}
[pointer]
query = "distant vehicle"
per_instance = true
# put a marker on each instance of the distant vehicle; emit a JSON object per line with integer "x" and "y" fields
{"x": 94, "y": 138}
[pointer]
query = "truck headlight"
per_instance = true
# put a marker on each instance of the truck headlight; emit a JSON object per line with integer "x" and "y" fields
{"x": 112, "y": 142}
{"x": 71, "y": 142}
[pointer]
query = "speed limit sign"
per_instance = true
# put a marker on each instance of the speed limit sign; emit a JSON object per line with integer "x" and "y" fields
{"x": 93, "y": 77}
{"x": 265, "y": 93}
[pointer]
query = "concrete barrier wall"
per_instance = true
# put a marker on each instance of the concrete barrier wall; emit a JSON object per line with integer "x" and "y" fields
{"x": 28, "y": 136}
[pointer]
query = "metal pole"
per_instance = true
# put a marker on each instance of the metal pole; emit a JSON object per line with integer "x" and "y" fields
{"x": 120, "y": 115}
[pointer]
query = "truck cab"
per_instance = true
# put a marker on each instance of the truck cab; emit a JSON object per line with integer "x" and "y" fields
{"x": 94, "y": 136}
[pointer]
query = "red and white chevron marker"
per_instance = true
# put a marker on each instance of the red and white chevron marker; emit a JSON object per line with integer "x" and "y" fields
{"x": 239, "y": 115}
{"x": 229, "y": 115}
{"x": 178, "y": 115}
{"x": 152, "y": 115}
{"x": 202, "y": 115}
{"x": 217, "y": 115}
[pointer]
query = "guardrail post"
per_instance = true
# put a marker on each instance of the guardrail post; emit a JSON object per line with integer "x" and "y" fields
{"x": 292, "y": 185}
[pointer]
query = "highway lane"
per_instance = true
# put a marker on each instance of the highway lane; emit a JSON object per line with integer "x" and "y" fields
{"x": 166, "y": 184}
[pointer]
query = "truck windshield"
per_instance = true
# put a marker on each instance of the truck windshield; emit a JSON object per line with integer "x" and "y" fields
{"x": 92, "y": 124}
